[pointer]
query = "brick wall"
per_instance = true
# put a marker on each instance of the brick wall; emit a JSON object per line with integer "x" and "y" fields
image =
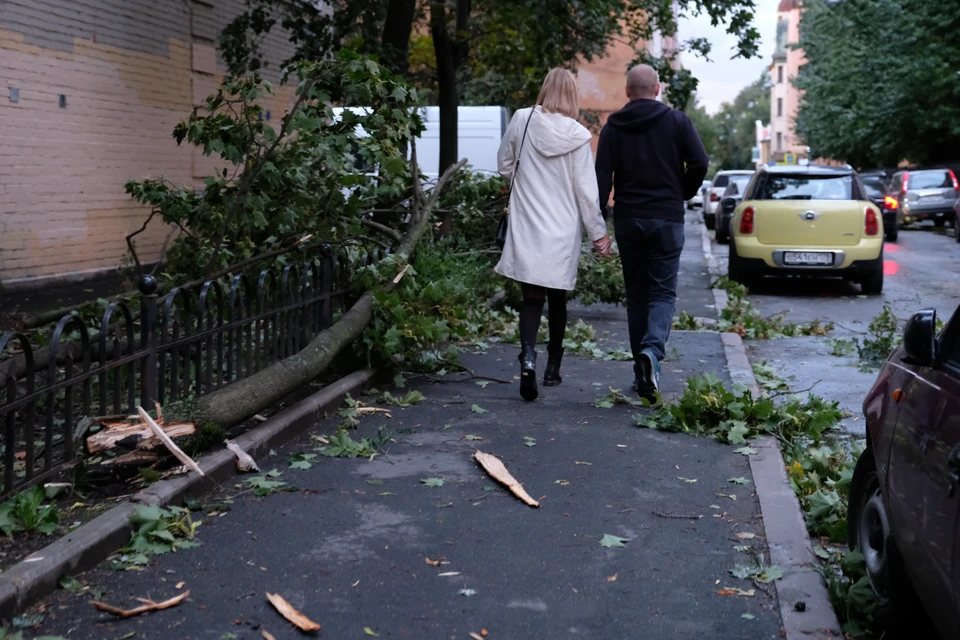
{"x": 128, "y": 70}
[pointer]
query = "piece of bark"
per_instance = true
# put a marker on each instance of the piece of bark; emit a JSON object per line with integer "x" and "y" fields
{"x": 499, "y": 472}
{"x": 295, "y": 618}
{"x": 149, "y": 605}
{"x": 266, "y": 635}
{"x": 244, "y": 461}
{"x": 136, "y": 435}
{"x": 168, "y": 443}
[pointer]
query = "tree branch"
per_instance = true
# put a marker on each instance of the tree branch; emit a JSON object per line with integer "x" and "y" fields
{"x": 133, "y": 250}
{"x": 382, "y": 228}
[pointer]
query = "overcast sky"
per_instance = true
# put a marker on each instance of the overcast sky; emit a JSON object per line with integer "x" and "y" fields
{"x": 722, "y": 78}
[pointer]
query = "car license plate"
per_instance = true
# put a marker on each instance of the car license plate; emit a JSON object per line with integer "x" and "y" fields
{"x": 807, "y": 258}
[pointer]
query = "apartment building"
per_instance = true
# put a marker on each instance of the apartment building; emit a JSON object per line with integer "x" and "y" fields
{"x": 784, "y": 97}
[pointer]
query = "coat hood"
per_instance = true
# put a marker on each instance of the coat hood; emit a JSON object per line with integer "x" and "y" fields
{"x": 638, "y": 115}
{"x": 553, "y": 134}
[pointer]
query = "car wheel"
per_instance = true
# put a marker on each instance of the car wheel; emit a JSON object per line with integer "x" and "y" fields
{"x": 710, "y": 220}
{"x": 939, "y": 222}
{"x": 868, "y": 531}
{"x": 872, "y": 284}
{"x": 737, "y": 271}
{"x": 892, "y": 234}
{"x": 722, "y": 236}
{"x": 956, "y": 232}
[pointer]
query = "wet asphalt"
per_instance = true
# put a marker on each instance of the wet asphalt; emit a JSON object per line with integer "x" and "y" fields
{"x": 349, "y": 548}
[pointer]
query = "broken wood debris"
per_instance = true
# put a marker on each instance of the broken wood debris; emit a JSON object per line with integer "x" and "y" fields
{"x": 244, "y": 461}
{"x": 131, "y": 432}
{"x": 495, "y": 468}
{"x": 149, "y": 605}
{"x": 293, "y": 616}
{"x": 167, "y": 442}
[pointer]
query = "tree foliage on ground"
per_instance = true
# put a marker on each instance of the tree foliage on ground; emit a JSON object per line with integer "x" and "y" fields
{"x": 880, "y": 82}
{"x": 483, "y": 51}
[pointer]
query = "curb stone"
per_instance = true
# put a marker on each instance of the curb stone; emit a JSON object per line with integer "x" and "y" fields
{"x": 39, "y": 574}
{"x": 783, "y": 523}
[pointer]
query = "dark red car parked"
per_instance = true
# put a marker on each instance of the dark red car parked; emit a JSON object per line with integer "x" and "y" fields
{"x": 904, "y": 503}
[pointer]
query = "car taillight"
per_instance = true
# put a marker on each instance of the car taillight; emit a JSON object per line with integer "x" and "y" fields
{"x": 872, "y": 225}
{"x": 906, "y": 181}
{"x": 746, "y": 221}
{"x": 953, "y": 176}
{"x": 889, "y": 202}
{"x": 714, "y": 197}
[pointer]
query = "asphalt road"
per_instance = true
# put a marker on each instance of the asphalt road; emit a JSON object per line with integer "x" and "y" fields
{"x": 922, "y": 271}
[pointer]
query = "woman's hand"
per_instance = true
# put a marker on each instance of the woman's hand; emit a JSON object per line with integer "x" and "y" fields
{"x": 603, "y": 245}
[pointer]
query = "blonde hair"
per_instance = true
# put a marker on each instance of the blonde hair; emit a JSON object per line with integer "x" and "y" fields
{"x": 560, "y": 94}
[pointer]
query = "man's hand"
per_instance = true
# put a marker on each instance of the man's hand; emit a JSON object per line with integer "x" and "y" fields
{"x": 603, "y": 245}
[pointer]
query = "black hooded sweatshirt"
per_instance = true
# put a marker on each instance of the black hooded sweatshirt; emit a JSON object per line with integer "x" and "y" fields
{"x": 642, "y": 152}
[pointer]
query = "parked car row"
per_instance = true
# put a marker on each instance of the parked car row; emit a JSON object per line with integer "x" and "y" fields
{"x": 912, "y": 196}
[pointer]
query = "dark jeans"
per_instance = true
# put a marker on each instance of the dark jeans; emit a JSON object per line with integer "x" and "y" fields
{"x": 650, "y": 252}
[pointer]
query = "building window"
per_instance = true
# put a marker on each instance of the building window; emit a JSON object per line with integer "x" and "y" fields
{"x": 780, "y": 74}
{"x": 779, "y": 142}
{"x": 779, "y": 107}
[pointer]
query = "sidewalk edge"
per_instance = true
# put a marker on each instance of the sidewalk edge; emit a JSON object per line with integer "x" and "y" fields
{"x": 81, "y": 549}
{"x": 783, "y": 523}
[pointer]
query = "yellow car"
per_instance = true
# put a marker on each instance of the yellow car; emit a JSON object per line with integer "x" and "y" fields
{"x": 807, "y": 221}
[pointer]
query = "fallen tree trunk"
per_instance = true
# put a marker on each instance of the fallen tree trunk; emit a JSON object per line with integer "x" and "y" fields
{"x": 241, "y": 400}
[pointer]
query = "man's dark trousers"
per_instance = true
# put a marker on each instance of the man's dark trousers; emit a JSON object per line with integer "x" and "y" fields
{"x": 650, "y": 251}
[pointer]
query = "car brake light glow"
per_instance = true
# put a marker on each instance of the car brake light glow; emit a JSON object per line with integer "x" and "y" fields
{"x": 872, "y": 225}
{"x": 746, "y": 221}
{"x": 714, "y": 197}
{"x": 889, "y": 202}
{"x": 906, "y": 180}
{"x": 953, "y": 176}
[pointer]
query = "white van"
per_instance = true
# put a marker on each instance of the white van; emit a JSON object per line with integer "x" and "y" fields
{"x": 481, "y": 129}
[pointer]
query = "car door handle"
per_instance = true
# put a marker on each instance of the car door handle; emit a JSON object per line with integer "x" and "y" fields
{"x": 953, "y": 470}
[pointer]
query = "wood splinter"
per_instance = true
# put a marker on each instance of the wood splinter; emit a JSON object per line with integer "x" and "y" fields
{"x": 149, "y": 605}
{"x": 168, "y": 443}
{"x": 499, "y": 472}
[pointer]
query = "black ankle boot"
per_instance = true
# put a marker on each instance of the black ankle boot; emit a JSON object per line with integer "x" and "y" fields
{"x": 528, "y": 373}
{"x": 551, "y": 377}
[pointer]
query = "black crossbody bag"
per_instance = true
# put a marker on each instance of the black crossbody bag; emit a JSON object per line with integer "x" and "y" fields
{"x": 503, "y": 225}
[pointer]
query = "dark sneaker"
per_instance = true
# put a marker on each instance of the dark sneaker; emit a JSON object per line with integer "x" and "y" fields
{"x": 647, "y": 383}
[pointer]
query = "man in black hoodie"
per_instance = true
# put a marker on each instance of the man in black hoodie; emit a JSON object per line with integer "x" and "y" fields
{"x": 653, "y": 158}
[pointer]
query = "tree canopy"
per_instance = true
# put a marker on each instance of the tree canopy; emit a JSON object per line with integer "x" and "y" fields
{"x": 730, "y": 135}
{"x": 483, "y": 51}
{"x": 880, "y": 82}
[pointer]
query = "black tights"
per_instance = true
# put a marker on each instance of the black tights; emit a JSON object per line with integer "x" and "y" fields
{"x": 531, "y": 311}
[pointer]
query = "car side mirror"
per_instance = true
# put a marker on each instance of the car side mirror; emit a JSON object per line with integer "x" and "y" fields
{"x": 920, "y": 339}
{"x": 729, "y": 204}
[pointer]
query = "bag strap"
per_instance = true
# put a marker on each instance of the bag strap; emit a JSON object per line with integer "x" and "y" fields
{"x": 516, "y": 170}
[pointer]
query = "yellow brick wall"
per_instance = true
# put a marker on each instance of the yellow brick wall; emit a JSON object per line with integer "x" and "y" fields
{"x": 63, "y": 209}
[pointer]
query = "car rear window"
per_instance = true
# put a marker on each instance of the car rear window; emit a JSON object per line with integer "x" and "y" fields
{"x": 875, "y": 187}
{"x": 738, "y": 184}
{"x": 806, "y": 187}
{"x": 929, "y": 180}
{"x": 721, "y": 181}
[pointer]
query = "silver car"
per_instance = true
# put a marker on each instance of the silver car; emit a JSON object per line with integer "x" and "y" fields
{"x": 927, "y": 194}
{"x": 711, "y": 202}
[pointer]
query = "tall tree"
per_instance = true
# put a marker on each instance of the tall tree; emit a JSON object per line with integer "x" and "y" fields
{"x": 485, "y": 51}
{"x": 902, "y": 101}
{"x": 736, "y": 125}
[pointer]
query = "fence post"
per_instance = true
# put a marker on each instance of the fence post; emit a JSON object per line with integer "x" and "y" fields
{"x": 148, "y": 339}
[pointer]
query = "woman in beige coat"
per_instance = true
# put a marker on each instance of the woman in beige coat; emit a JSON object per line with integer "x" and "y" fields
{"x": 546, "y": 155}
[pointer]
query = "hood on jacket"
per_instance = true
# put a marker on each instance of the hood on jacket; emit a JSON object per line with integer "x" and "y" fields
{"x": 553, "y": 134}
{"x": 638, "y": 115}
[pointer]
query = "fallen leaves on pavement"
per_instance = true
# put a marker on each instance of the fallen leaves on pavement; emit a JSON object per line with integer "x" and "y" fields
{"x": 612, "y": 541}
{"x": 495, "y": 468}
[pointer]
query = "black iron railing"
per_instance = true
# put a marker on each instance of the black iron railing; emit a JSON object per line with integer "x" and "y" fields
{"x": 185, "y": 343}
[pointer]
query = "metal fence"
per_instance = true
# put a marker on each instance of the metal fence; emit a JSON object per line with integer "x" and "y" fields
{"x": 185, "y": 343}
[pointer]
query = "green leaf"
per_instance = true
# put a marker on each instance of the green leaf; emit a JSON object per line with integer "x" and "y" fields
{"x": 738, "y": 480}
{"x": 747, "y": 451}
{"x": 300, "y": 464}
{"x": 472, "y": 437}
{"x": 529, "y": 442}
{"x": 687, "y": 480}
{"x": 747, "y": 616}
{"x": 370, "y": 632}
{"x": 611, "y": 541}
{"x": 150, "y": 475}
{"x": 478, "y": 409}
{"x": 432, "y": 482}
